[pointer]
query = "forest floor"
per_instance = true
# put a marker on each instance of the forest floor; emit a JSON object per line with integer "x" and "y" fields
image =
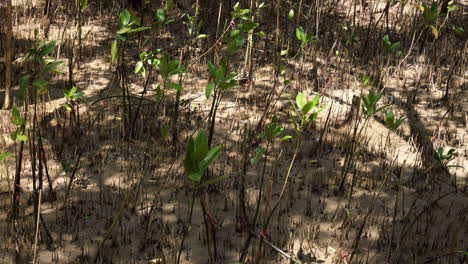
{"x": 399, "y": 209}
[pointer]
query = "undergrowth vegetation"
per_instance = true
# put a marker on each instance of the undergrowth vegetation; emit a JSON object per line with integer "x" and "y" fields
{"x": 234, "y": 132}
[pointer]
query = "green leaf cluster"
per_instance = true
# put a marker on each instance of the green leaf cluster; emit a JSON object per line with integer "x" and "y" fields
{"x": 221, "y": 79}
{"x": 304, "y": 38}
{"x": 388, "y": 45}
{"x": 391, "y": 122}
{"x": 369, "y": 103}
{"x": 199, "y": 157}
{"x": 147, "y": 58}
{"x": 303, "y": 109}
{"x": 72, "y": 96}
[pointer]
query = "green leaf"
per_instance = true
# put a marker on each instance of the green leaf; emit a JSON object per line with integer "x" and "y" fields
{"x": 285, "y": 138}
{"x": 68, "y": 107}
{"x": 160, "y": 16}
{"x": 51, "y": 66}
{"x": 389, "y": 119}
{"x": 83, "y": 4}
{"x": 123, "y": 30}
{"x": 201, "y": 145}
{"x": 200, "y": 36}
{"x": 300, "y": 34}
{"x": 209, "y": 89}
{"x": 124, "y": 18}
{"x": 301, "y": 100}
{"x": 258, "y": 155}
{"x": 314, "y": 115}
{"x": 235, "y": 44}
{"x": 190, "y": 164}
{"x": 114, "y": 51}
{"x": 215, "y": 180}
{"x": 211, "y": 156}
{"x": 3, "y": 156}
{"x": 175, "y": 86}
{"x": 16, "y": 115}
{"x": 291, "y": 14}
{"x": 138, "y": 66}
{"x": 138, "y": 29}
{"x": 395, "y": 46}
{"x": 435, "y": 32}
{"x": 248, "y": 26}
{"x": 46, "y": 49}
{"x": 220, "y": 72}
{"x": 21, "y": 137}
{"x": 212, "y": 69}
{"x": 261, "y": 34}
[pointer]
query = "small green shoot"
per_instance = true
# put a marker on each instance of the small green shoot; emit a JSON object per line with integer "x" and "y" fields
{"x": 73, "y": 98}
{"x": 304, "y": 38}
{"x": 390, "y": 121}
{"x": 303, "y": 109}
{"x": 446, "y": 158}
{"x": 369, "y": 103}
{"x": 199, "y": 157}
{"x": 388, "y": 45}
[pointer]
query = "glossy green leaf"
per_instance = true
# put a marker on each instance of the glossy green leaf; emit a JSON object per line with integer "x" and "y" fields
{"x": 201, "y": 145}
{"x": 212, "y": 181}
{"x": 160, "y": 16}
{"x": 138, "y": 29}
{"x": 291, "y": 14}
{"x": 21, "y": 138}
{"x": 301, "y": 100}
{"x": 300, "y": 34}
{"x": 138, "y": 66}
{"x": 211, "y": 156}
{"x": 124, "y": 18}
{"x": 209, "y": 90}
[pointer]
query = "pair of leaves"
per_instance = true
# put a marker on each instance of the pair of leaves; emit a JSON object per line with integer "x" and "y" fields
{"x": 20, "y": 124}
{"x": 303, "y": 109}
{"x": 369, "y": 103}
{"x": 304, "y": 106}
{"x": 446, "y": 157}
{"x": 304, "y": 38}
{"x": 390, "y": 121}
{"x": 199, "y": 157}
{"x": 72, "y": 95}
{"x": 222, "y": 80}
{"x": 388, "y": 45}
{"x": 430, "y": 13}
{"x": 239, "y": 13}
{"x": 126, "y": 22}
